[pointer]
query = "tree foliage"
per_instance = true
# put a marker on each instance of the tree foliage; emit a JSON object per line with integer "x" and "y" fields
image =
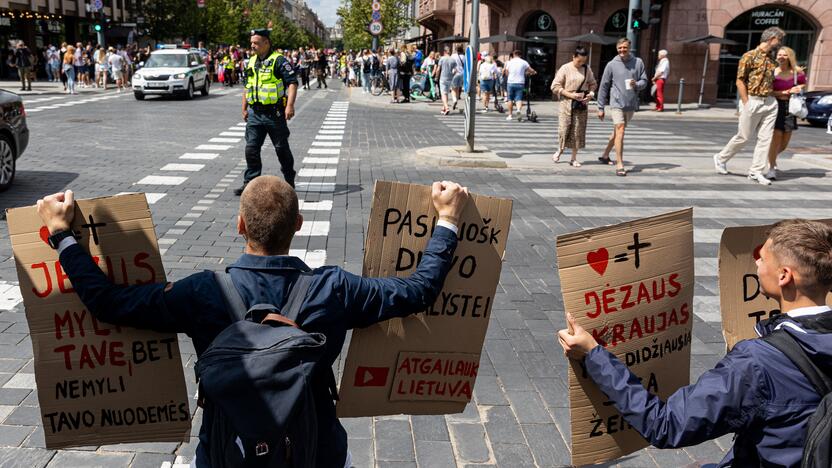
{"x": 222, "y": 22}
{"x": 356, "y": 16}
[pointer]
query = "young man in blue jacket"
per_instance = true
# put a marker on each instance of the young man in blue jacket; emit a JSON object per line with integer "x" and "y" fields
{"x": 755, "y": 391}
{"x": 336, "y": 302}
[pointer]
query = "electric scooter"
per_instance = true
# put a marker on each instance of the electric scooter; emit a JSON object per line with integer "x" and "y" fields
{"x": 531, "y": 115}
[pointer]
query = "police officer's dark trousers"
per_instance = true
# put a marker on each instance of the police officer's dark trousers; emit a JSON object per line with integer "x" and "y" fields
{"x": 262, "y": 121}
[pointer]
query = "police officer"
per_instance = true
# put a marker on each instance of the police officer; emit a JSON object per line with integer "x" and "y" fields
{"x": 269, "y": 102}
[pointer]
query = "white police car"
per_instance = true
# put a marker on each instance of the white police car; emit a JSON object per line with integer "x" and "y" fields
{"x": 171, "y": 72}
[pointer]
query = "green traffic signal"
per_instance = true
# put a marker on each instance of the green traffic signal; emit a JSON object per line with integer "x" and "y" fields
{"x": 97, "y": 27}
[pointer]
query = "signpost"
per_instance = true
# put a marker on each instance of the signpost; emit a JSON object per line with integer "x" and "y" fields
{"x": 375, "y": 26}
{"x": 471, "y": 77}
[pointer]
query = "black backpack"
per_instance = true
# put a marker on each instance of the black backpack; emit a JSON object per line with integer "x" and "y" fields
{"x": 817, "y": 451}
{"x": 258, "y": 373}
{"x": 366, "y": 64}
{"x": 374, "y": 64}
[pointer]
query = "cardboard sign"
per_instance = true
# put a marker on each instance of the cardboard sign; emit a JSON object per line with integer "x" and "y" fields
{"x": 741, "y": 302}
{"x": 425, "y": 363}
{"x": 98, "y": 383}
{"x": 631, "y": 286}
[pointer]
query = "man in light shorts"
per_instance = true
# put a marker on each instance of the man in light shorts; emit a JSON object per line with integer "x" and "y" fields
{"x": 444, "y": 73}
{"x": 116, "y": 62}
{"x": 516, "y": 70}
{"x": 624, "y": 76}
{"x": 456, "y": 82}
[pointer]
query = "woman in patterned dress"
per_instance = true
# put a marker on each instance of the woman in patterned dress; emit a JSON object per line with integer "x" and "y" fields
{"x": 575, "y": 85}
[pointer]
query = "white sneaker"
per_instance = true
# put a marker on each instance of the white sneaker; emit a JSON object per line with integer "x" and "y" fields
{"x": 509, "y": 118}
{"x": 772, "y": 174}
{"x": 759, "y": 178}
{"x": 721, "y": 167}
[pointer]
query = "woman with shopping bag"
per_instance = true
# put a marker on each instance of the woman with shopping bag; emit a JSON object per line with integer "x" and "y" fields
{"x": 789, "y": 81}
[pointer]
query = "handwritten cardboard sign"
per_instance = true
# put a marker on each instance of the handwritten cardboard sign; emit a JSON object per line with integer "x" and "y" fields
{"x": 426, "y": 363}
{"x": 98, "y": 383}
{"x": 741, "y": 302}
{"x": 631, "y": 286}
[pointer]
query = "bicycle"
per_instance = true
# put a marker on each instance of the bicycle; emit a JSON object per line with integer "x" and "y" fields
{"x": 379, "y": 84}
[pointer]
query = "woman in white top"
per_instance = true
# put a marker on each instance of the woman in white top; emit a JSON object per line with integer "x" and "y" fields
{"x": 101, "y": 68}
{"x": 487, "y": 75}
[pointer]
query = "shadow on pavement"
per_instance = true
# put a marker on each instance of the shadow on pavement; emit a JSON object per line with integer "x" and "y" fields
{"x": 29, "y": 186}
{"x": 658, "y": 166}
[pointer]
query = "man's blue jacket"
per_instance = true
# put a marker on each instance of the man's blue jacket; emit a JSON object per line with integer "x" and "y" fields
{"x": 336, "y": 302}
{"x": 755, "y": 391}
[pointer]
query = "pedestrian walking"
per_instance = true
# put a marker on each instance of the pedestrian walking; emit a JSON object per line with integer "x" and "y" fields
{"x": 304, "y": 61}
{"x": 487, "y": 75}
{"x": 268, "y": 104}
{"x": 755, "y": 391}
{"x": 459, "y": 74}
{"x": 445, "y": 72}
{"x": 322, "y": 66}
{"x": 23, "y": 61}
{"x": 116, "y": 65}
{"x": 406, "y": 65}
{"x": 393, "y": 74}
{"x": 328, "y": 301}
{"x": 516, "y": 71}
{"x": 69, "y": 69}
{"x": 575, "y": 85}
{"x": 755, "y": 76}
{"x": 789, "y": 79}
{"x": 366, "y": 71}
{"x": 53, "y": 63}
{"x": 659, "y": 79}
{"x": 101, "y": 66}
{"x": 624, "y": 76}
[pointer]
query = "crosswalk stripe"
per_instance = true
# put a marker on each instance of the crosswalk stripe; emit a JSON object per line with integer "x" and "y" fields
{"x": 182, "y": 167}
{"x": 206, "y": 156}
{"x": 308, "y": 172}
{"x": 324, "y": 151}
{"x": 312, "y": 160}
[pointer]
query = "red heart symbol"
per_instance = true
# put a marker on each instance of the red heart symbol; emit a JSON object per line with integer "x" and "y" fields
{"x": 757, "y": 252}
{"x": 598, "y": 260}
{"x": 44, "y": 234}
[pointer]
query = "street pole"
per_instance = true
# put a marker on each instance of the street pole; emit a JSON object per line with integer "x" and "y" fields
{"x": 632, "y": 34}
{"x": 375, "y": 43}
{"x": 474, "y": 45}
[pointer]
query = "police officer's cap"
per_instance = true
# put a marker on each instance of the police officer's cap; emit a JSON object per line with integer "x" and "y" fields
{"x": 261, "y": 32}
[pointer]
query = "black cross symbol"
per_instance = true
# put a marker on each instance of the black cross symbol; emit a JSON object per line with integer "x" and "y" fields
{"x": 636, "y": 246}
{"x": 92, "y": 227}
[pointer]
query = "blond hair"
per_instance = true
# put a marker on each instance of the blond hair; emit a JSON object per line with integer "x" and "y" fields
{"x": 806, "y": 246}
{"x": 792, "y": 58}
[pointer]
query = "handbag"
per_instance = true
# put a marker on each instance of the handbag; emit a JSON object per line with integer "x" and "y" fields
{"x": 797, "y": 103}
{"x": 578, "y": 105}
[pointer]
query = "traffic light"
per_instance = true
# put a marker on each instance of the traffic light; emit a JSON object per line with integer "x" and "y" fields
{"x": 636, "y": 17}
{"x": 97, "y": 27}
{"x": 655, "y": 14}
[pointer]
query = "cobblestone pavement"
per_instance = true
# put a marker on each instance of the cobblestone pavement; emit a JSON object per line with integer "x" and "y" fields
{"x": 187, "y": 156}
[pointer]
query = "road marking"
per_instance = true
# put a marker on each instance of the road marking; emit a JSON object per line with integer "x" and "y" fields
{"x": 10, "y": 295}
{"x": 330, "y": 132}
{"x": 150, "y": 197}
{"x": 320, "y": 187}
{"x": 161, "y": 180}
{"x": 323, "y": 205}
{"x": 206, "y": 156}
{"x": 314, "y": 228}
{"x": 329, "y": 137}
{"x": 320, "y": 160}
{"x": 182, "y": 167}
{"x": 324, "y": 151}
{"x": 224, "y": 140}
{"x": 327, "y": 143}
{"x": 308, "y": 172}
{"x": 313, "y": 258}
{"x": 212, "y": 147}
{"x": 233, "y": 134}
{"x": 21, "y": 380}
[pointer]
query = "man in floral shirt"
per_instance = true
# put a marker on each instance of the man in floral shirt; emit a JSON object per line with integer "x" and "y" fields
{"x": 759, "y": 109}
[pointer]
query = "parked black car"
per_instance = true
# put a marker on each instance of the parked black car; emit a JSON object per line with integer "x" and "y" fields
{"x": 14, "y": 135}
{"x": 819, "y": 104}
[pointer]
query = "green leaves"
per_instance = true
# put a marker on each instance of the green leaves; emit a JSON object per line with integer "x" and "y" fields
{"x": 356, "y": 16}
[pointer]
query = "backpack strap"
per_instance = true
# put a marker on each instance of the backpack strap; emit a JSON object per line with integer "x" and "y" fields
{"x": 233, "y": 301}
{"x": 294, "y": 304}
{"x": 786, "y": 344}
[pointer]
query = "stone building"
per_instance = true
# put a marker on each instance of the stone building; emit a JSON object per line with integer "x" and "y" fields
{"x": 806, "y": 22}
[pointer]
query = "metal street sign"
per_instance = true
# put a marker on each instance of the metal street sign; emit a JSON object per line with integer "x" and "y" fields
{"x": 376, "y": 15}
{"x": 376, "y": 28}
{"x": 376, "y": 6}
{"x": 469, "y": 64}
{"x": 98, "y": 4}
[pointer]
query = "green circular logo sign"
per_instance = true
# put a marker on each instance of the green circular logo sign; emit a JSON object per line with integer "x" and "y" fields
{"x": 619, "y": 20}
{"x": 544, "y": 22}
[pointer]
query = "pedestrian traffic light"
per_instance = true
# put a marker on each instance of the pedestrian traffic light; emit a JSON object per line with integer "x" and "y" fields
{"x": 637, "y": 22}
{"x": 655, "y": 14}
{"x": 97, "y": 27}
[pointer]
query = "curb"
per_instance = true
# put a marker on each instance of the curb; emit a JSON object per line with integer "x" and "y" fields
{"x": 456, "y": 156}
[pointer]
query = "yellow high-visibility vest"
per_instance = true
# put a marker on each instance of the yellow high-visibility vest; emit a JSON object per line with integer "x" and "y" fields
{"x": 263, "y": 85}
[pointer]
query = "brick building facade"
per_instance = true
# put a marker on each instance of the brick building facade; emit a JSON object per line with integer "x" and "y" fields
{"x": 807, "y": 23}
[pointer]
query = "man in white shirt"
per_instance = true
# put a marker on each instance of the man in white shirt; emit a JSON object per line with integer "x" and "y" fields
{"x": 116, "y": 62}
{"x": 516, "y": 70}
{"x": 662, "y": 71}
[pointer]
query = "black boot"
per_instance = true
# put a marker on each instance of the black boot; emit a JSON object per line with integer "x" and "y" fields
{"x": 239, "y": 191}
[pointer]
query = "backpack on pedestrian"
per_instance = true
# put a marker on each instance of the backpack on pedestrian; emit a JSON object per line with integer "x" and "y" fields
{"x": 258, "y": 374}
{"x": 375, "y": 66}
{"x": 817, "y": 450}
